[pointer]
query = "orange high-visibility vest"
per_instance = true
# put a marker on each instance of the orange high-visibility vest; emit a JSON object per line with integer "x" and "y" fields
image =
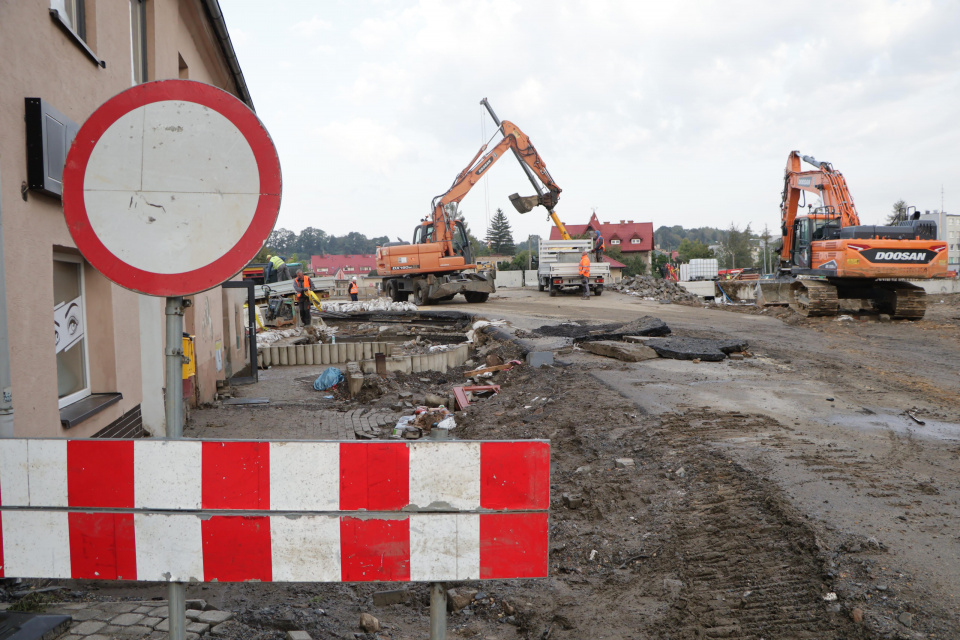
{"x": 306, "y": 286}
{"x": 354, "y": 288}
{"x": 585, "y": 266}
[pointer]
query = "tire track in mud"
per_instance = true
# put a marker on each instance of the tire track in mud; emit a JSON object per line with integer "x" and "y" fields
{"x": 750, "y": 566}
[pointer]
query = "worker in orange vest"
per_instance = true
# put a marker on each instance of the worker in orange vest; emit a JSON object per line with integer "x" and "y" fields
{"x": 301, "y": 285}
{"x": 585, "y": 273}
{"x": 354, "y": 290}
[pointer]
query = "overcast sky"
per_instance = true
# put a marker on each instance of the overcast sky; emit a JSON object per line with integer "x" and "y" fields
{"x": 674, "y": 112}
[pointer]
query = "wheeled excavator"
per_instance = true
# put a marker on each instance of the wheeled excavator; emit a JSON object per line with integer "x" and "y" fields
{"x": 827, "y": 255}
{"x": 438, "y": 264}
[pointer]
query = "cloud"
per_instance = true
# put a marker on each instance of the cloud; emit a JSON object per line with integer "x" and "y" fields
{"x": 691, "y": 102}
{"x": 311, "y": 27}
{"x": 363, "y": 142}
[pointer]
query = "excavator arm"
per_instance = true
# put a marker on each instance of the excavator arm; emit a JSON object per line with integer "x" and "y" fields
{"x": 826, "y": 182}
{"x": 517, "y": 141}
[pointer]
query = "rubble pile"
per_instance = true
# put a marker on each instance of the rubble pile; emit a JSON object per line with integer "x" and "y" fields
{"x": 377, "y": 304}
{"x": 266, "y": 337}
{"x": 655, "y": 289}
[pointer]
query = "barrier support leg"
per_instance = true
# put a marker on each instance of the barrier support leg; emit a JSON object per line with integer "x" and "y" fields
{"x": 438, "y": 611}
{"x": 176, "y": 591}
{"x": 177, "y": 605}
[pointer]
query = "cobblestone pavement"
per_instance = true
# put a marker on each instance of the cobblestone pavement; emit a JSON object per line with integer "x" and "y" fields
{"x": 278, "y": 422}
{"x": 137, "y": 620}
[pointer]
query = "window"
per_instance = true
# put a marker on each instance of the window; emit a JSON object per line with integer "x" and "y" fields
{"x": 73, "y": 369}
{"x": 138, "y": 41}
{"x": 614, "y": 242}
{"x": 71, "y": 14}
{"x": 636, "y": 240}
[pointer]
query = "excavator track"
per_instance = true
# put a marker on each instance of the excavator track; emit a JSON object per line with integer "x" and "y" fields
{"x": 902, "y": 300}
{"x": 813, "y": 298}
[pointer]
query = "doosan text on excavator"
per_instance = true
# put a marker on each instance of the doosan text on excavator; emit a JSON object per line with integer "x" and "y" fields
{"x": 827, "y": 255}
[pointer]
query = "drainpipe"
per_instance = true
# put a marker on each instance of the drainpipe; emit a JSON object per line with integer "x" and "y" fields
{"x": 226, "y": 46}
{"x": 6, "y": 393}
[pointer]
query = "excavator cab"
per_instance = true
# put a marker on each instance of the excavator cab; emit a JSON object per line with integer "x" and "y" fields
{"x": 461, "y": 241}
{"x": 822, "y": 224}
{"x": 802, "y": 237}
{"x": 423, "y": 233}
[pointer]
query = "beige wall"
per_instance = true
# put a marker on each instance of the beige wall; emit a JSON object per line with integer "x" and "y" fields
{"x": 38, "y": 59}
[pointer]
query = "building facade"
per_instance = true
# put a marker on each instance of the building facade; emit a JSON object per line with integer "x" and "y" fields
{"x": 948, "y": 230}
{"x": 629, "y": 237}
{"x": 100, "y": 372}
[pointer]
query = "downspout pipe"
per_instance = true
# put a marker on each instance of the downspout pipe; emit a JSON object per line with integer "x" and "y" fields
{"x": 226, "y": 45}
{"x": 6, "y": 392}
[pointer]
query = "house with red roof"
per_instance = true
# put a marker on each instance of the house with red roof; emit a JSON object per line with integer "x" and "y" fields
{"x": 616, "y": 268}
{"x": 348, "y": 265}
{"x": 628, "y": 236}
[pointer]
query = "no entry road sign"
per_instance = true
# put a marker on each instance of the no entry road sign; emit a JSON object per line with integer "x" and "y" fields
{"x": 273, "y": 511}
{"x": 171, "y": 187}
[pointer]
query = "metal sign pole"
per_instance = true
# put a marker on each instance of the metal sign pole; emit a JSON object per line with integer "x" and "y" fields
{"x": 438, "y": 611}
{"x": 173, "y": 403}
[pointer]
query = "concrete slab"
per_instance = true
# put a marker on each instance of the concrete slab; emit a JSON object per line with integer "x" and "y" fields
{"x": 620, "y": 350}
{"x": 695, "y": 348}
{"x": 537, "y": 359}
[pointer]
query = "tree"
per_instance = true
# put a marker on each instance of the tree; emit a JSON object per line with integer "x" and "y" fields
{"x": 312, "y": 241}
{"x": 499, "y": 236}
{"x": 737, "y": 253}
{"x": 282, "y": 241}
{"x": 895, "y": 211}
{"x": 657, "y": 263}
{"x": 768, "y": 252}
{"x": 633, "y": 264}
{"x": 692, "y": 250}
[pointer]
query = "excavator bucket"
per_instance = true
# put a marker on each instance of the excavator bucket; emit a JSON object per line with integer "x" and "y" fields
{"x": 524, "y": 204}
{"x": 774, "y": 292}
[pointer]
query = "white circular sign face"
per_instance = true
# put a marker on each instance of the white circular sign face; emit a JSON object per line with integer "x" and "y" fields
{"x": 171, "y": 187}
{"x": 209, "y": 186}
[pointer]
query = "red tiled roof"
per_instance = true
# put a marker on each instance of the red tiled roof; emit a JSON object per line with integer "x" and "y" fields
{"x": 329, "y": 264}
{"x": 616, "y": 264}
{"x": 624, "y": 230}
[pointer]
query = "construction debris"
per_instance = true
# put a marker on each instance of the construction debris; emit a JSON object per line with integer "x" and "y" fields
{"x": 499, "y": 367}
{"x": 376, "y": 304}
{"x": 620, "y": 350}
{"x": 642, "y": 326}
{"x": 465, "y": 395}
{"x": 695, "y": 348}
{"x": 655, "y": 289}
{"x": 423, "y": 421}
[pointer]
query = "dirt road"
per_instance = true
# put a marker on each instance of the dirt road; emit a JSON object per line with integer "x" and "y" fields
{"x": 820, "y": 413}
{"x": 785, "y": 495}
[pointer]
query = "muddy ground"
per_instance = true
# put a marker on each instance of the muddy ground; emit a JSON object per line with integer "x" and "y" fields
{"x": 760, "y": 487}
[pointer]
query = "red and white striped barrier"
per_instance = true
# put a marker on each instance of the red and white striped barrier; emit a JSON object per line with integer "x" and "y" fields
{"x": 191, "y": 510}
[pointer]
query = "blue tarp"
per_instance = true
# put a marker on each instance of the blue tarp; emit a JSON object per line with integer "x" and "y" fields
{"x": 329, "y": 378}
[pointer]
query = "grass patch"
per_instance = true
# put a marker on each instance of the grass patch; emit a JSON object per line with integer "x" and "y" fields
{"x": 34, "y": 602}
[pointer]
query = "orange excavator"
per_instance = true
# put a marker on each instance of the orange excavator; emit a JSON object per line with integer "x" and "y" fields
{"x": 827, "y": 255}
{"x": 438, "y": 264}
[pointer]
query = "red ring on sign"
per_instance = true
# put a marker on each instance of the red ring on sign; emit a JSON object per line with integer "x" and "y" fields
{"x": 221, "y": 268}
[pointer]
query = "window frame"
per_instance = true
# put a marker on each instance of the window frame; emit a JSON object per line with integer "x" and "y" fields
{"x": 140, "y": 8}
{"x": 636, "y": 240}
{"x": 86, "y": 391}
{"x": 615, "y": 242}
{"x": 78, "y": 32}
